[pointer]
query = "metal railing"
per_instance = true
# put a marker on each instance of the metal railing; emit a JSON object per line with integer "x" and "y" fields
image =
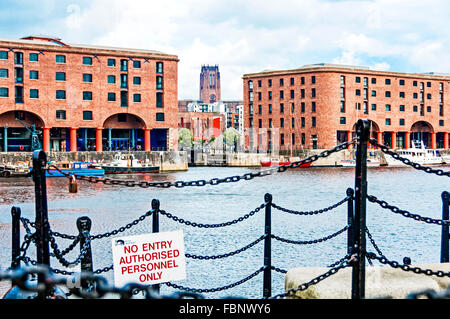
{"x": 95, "y": 286}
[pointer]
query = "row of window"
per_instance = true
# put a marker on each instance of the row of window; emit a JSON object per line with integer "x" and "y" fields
{"x": 365, "y": 81}
{"x": 387, "y": 81}
{"x": 291, "y": 81}
{"x": 342, "y": 121}
{"x": 282, "y": 122}
{"x": 302, "y": 138}
{"x": 87, "y": 96}
{"x": 388, "y": 121}
{"x": 281, "y": 96}
{"x": 373, "y": 93}
{"x": 88, "y": 116}
{"x": 388, "y": 108}
{"x": 270, "y": 108}
{"x": 86, "y": 60}
{"x": 87, "y": 78}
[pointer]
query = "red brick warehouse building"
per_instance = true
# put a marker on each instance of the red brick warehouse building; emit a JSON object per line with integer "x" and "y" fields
{"x": 317, "y": 106}
{"x": 86, "y": 97}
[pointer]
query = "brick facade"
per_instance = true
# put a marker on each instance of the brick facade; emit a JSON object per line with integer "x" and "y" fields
{"x": 317, "y": 106}
{"x": 79, "y": 85}
{"x": 210, "y": 90}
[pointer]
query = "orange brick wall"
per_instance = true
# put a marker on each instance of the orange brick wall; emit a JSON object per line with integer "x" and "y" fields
{"x": 327, "y": 86}
{"x": 46, "y": 105}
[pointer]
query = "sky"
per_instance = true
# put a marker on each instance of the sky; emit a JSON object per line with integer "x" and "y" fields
{"x": 249, "y": 35}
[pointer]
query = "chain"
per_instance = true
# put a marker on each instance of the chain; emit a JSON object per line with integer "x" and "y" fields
{"x": 309, "y": 242}
{"x": 430, "y": 294}
{"x": 199, "y": 225}
{"x": 404, "y": 267}
{"x": 408, "y": 162}
{"x": 407, "y": 214}
{"x": 369, "y": 235}
{"x": 282, "y": 271}
{"x": 314, "y": 212}
{"x": 59, "y": 255}
{"x": 227, "y": 254}
{"x": 99, "y": 288}
{"x": 213, "y": 181}
{"x": 196, "y": 290}
{"x": 291, "y": 292}
{"x": 28, "y": 238}
{"x": 340, "y": 261}
{"x": 123, "y": 228}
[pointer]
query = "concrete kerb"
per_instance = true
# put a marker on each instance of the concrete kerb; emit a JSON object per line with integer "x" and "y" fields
{"x": 381, "y": 282}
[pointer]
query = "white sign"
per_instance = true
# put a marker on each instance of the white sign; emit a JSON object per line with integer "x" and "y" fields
{"x": 149, "y": 259}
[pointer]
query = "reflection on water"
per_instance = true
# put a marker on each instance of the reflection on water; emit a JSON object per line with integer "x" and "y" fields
{"x": 113, "y": 206}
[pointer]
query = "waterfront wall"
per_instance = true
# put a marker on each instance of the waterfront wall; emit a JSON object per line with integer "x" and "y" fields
{"x": 166, "y": 160}
{"x": 381, "y": 282}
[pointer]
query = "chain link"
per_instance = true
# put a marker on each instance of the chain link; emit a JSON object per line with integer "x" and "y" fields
{"x": 199, "y": 225}
{"x": 227, "y": 254}
{"x": 310, "y": 242}
{"x": 313, "y": 212}
{"x": 405, "y": 267}
{"x": 213, "y": 181}
{"x": 197, "y": 290}
{"x": 407, "y": 214}
{"x": 369, "y": 235}
{"x": 291, "y": 292}
{"x": 408, "y": 162}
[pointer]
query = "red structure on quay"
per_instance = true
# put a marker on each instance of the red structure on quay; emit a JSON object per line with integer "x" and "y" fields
{"x": 317, "y": 106}
{"x": 83, "y": 97}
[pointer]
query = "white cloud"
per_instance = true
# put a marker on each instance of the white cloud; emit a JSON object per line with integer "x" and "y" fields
{"x": 250, "y": 36}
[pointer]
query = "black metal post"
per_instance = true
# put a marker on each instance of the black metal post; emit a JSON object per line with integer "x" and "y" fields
{"x": 41, "y": 222}
{"x": 15, "y": 227}
{"x": 84, "y": 224}
{"x": 155, "y": 229}
{"x": 350, "y": 221}
{"x": 359, "y": 229}
{"x": 445, "y": 227}
{"x": 267, "y": 279}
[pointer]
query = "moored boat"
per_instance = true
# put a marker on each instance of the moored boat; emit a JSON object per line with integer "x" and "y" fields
{"x": 19, "y": 169}
{"x": 128, "y": 164}
{"x": 417, "y": 154}
{"x": 277, "y": 162}
{"x": 78, "y": 168}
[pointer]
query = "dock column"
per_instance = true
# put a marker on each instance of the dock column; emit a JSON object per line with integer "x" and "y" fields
{"x": 73, "y": 139}
{"x": 446, "y": 140}
{"x": 407, "y": 139}
{"x": 110, "y": 139}
{"x": 349, "y": 138}
{"x": 99, "y": 139}
{"x": 433, "y": 140}
{"x": 5, "y": 139}
{"x": 46, "y": 138}
{"x": 379, "y": 138}
{"x": 146, "y": 139}
{"x": 393, "y": 140}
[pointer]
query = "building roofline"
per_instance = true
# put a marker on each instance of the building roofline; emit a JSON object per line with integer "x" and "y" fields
{"x": 324, "y": 67}
{"x": 45, "y": 44}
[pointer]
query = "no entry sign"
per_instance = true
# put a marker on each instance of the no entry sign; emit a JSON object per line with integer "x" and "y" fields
{"x": 149, "y": 259}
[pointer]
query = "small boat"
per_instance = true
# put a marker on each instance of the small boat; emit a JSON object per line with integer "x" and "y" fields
{"x": 128, "y": 164}
{"x": 20, "y": 169}
{"x": 371, "y": 162}
{"x": 277, "y": 162}
{"x": 78, "y": 168}
{"x": 417, "y": 154}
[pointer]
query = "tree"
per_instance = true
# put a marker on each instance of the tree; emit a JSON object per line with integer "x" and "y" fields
{"x": 185, "y": 137}
{"x": 231, "y": 137}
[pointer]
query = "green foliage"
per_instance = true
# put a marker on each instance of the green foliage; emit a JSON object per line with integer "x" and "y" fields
{"x": 185, "y": 137}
